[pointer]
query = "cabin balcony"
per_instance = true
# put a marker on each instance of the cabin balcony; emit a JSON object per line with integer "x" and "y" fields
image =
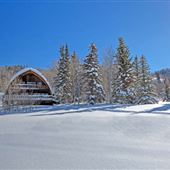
{"x": 29, "y": 86}
{"x": 33, "y": 97}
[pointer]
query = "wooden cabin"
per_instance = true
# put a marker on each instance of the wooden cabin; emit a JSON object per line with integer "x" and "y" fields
{"x": 28, "y": 87}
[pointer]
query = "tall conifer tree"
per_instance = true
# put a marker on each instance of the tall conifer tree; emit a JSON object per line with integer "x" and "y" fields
{"x": 62, "y": 82}
{"x": 123, "y": 84}
{"x": 58, "y": 79}
{"x": 167, "y": 90}
{"x": 67, "y": 77}
{"x": 92, "y": 77}
{"x": 147, "y": 92}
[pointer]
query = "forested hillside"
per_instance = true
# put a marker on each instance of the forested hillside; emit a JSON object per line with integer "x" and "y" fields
{"x": 164, "y": 72}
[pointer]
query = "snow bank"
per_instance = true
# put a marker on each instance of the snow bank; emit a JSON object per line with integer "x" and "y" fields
{"x": 81, "y": 137}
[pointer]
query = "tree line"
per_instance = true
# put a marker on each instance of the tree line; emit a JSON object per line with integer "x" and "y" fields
{"x": 120, "y": 79}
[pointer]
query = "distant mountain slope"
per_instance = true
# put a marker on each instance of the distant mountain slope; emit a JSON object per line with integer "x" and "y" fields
{"x": 164, "y": 72}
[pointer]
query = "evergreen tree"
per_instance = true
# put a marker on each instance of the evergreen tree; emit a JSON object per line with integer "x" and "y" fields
{"x": 160, "y": 86}
{"x": 59, "y": 78}
{"x": 94, "y": 92}
{"x": 167, "y": 90}
{"x": 67, "y": 78}
{"x": 147, "y": 93}
{"x": 62, "y": 83}
{"x": 123, "y": 84}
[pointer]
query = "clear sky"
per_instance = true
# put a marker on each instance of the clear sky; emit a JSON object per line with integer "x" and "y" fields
{"x": 32, "y": 33}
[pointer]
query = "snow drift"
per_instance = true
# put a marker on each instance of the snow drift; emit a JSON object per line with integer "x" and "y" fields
{"x": 97, "y": 137}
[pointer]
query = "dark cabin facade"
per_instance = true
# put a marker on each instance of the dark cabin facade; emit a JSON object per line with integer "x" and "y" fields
{"x": 28, "y": 87}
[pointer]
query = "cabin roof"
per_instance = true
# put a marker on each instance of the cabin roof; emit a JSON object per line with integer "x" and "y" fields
{"x": 33, "y": 70}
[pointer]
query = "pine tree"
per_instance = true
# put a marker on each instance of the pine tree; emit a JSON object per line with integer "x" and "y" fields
{"x": 67, "y": 78}
{"x": 160, "y": 86}
{"x": 123, "y": 84}
{"x": 147, "y": 93}
{"x": 92, "y": 77}
{"x": 59, "y": 78}
{"x": 167, "y": 90}
{"x": 62, "y": 83}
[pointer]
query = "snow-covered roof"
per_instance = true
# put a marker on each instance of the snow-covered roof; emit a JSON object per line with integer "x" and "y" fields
{"x": 33, "y": 70}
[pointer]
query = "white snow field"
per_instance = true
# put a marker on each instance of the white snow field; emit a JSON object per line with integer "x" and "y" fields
{"x": 82, "y": 137}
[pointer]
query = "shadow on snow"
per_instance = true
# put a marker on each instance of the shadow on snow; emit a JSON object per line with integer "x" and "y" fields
{"x": 73, "y": 109}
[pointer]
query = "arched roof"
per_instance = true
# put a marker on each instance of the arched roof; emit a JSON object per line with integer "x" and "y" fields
{"x": 38, "y": 73}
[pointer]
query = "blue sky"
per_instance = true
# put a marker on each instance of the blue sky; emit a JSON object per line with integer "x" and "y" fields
{"x": 32, "y": 33}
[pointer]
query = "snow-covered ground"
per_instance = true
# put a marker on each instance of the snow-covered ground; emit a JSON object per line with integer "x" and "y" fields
{"x": 97, "y": 137}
